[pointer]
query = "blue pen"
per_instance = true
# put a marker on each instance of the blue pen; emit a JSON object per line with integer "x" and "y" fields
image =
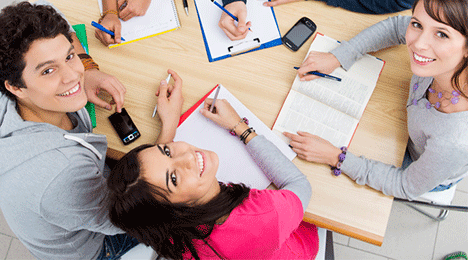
{"x": 102, "y": 28}
{"x": 226, "y": 11}
{"x": 321, "y": 75}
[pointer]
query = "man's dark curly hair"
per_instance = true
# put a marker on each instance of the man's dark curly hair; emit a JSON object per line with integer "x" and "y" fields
{"x": 21, "y": 25}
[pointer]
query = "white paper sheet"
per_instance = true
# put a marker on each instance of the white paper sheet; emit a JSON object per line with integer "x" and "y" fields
{"x": 235, "y": 163}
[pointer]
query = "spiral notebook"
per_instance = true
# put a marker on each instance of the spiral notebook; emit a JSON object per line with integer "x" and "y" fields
{"x": 161, "y": 17}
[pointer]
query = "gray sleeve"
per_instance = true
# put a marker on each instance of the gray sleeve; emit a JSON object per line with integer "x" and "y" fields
{"x": 44, "y": 2}
{"x": 76, "y": 199}
{"x": 281, "y": 171}
{"x": 387, "y": 33}
{"x": 440, "y": 161}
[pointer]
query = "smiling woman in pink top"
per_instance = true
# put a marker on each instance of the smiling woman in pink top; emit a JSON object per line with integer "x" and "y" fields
{"x": 167, "y": 196}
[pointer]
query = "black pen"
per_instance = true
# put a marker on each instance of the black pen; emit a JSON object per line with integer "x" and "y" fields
{"x": 185, "y": 6}
{"x": 321, "y": 75}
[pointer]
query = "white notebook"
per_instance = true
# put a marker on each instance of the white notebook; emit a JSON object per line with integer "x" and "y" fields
{"x": 235, "y": 163}
{"x": 161, "y": 17}
{"x": 327, "y": 108}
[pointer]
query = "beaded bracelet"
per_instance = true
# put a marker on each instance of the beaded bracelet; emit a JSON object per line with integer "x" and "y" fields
{"x": 246, "y": 134}
{"x": 337, "y": 170}
{"x": 88, "y": 62}
{"x": 106, "y": 13}
{"x": 245, "y": 120}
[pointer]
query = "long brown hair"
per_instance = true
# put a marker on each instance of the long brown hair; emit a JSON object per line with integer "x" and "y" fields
{"x": 453, "y": 13}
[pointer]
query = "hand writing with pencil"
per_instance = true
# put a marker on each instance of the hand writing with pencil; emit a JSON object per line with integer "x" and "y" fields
{"x": 131, "y": 8}
{"x": 226, "y": 117}
{"x": 323, "y": 62}
{"x": 170, "y": 101}
{"x": 228, "y": 24}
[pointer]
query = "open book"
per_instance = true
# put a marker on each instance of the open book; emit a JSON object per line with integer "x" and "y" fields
{"x": 161, "y": 17}
{"x": 327, "y": 108}
{"x": 235, "y": 163}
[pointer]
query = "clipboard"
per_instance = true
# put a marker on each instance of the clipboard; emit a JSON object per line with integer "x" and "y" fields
{"x": 201, "y": 132}
{"x": 265, "y": 31}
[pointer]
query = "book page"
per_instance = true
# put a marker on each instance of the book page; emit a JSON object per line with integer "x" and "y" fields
{"x": 235, "y": 163}
{"x": 160, "y": 17}
{"x": 301, "y": 113}
{"x": 264, "y": 27}
{"x": 352, "y": 93}
{"x": 328, "y": 108}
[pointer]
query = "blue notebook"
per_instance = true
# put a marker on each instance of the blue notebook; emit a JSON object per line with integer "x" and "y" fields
{"x": 264, "y": 30}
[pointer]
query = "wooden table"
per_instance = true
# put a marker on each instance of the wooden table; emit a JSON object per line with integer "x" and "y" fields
{"x": 261, "y": 80}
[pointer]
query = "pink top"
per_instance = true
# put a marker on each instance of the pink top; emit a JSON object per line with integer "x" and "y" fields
{"x": 267, "y": 225}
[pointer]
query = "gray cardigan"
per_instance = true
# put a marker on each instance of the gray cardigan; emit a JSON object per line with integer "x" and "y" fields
{"x": 438, "y": 141}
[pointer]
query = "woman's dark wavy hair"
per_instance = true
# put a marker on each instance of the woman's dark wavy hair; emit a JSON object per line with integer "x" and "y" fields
{"x": 453, "y": 13}
{"x": 144, "y": 212}
{"x": 21, "y": 25}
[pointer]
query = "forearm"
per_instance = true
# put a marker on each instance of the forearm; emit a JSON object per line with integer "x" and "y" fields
{"x": 109, "y": 5}
{"x": 281, "y": 171}
{"x": 387, "y": 33}
{"x": 167, "y": 134}
{"x": 432, "y": 168}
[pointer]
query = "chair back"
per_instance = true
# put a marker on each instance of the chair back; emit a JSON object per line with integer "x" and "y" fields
{"x": 439, "y": 197}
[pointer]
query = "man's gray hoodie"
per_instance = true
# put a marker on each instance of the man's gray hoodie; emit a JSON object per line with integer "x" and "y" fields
{"x": 52, "y": 188}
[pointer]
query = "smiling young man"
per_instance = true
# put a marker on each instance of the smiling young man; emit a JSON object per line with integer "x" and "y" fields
{"x": 52, "y": 185}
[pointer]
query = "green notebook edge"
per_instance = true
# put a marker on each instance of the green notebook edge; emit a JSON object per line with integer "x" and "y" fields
{"x": 80, "y": 30}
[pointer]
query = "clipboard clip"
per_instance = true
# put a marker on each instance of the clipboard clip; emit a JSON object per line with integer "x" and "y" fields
{"x": 244, "y": 46}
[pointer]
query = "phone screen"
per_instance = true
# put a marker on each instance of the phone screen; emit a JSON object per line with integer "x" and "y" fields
{"x": 299, "y": 33}
{"x": 124, "y": 126}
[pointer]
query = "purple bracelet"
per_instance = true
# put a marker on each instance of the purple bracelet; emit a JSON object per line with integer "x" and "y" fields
{"x": 337, "y": 170}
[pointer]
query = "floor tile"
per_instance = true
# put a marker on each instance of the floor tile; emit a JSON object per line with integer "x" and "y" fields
{"x": 4, "y": 3}
{"x": 348, "y": 253}
{"x": 463, "y": 185}
{"x": 340, "y": 239}
{"x": 5, "y": 242}
{"x": 4, "y": 228}
{"x": 453, "y": 231}
{"x": 18, "y": 251}
{"x": 409, "y": 235}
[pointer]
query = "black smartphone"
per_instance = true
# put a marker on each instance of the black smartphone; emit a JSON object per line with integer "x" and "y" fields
{"x": 299, "y": 33}
{"x": 124, "y": 126}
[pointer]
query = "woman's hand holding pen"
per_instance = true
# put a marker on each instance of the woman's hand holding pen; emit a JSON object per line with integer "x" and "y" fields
{"x": 131, "y": 8}
{"x": 323, "y": 62}
{"x": 224, "y": 115}
{"x": 227, "y": 23}
{"x": 170, "y": 101}
{"x": 112, "y": 23}
{"x": 312, "y": 148}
